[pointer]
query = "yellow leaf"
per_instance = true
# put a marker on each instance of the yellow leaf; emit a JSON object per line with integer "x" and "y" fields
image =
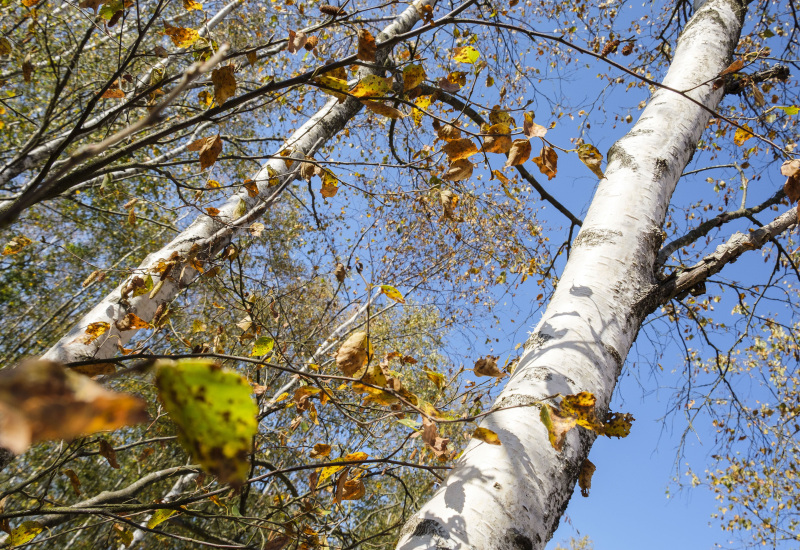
{"x": 372, "y": 85}
{"x": 466, "y": 54}
{"x": 742, "y": 134}
{"x": 192, "y": 5}
{"x": 498, "y": 139}
{"x": 321, "y": 450}
{"x": 382, "y": 109}
{"x": 332, "y": 85}
{"x": 330, "y": 470}
{"x": 94, "y": 331}
{"x": 436, "y": 377}
{"x": 592, "y": 158}
{"x": 486, "y": 435}
{"x": 160, "y": 516}
{"x": 413, "y": 76}
{"x": 422, "y": 103}
{"x": 25, "y": 532}
{"x": 15, "y": 245}
{"x": 330, "y": 184}
{"x": 182, "y": 38}
{"x": 393, "y": 293}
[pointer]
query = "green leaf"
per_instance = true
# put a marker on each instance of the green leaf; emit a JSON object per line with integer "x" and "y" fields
{"x": 393, "y": 293}
{"x": 214, "y": 413}
{"x": 262, "y": 346}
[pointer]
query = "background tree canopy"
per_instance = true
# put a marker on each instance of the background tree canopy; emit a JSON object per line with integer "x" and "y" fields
{"x": 268, "y": 266}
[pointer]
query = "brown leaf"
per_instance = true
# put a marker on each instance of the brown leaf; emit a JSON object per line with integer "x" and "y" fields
{"x": 430, "y": 435}
{"x": 585, "y": 476}
{"x": 448, "y": 132}
{"x": 224, "y": 83}
{"x": 498, "y": 140}
{"x": 73, "y": 480}
{"x": 531, "y": 129}
{"x": 592, "y": 158}
{"x": 108, "y": 452}
{"x": 734, "y": 67}
{"x": 487, "y": 366}
{"x": 519, "y": 153}
{"x": 352, "y": 357}
{"x": 547, "y": 162}
{"x": 95, "y": 369}
{"x": 296, "y": 41}
{"x": 459, "y": 170}
{"x": 366, "y": 46}
{"x": 340, "y": 272}
{"x": 458, "y": 149}
{"x": 209, "y": 148}
{"x": 383, "y": 109}
{"x": 311, "y": 43}
{"x": 251, "y": 187}
{"x": 321, "y": 450}
{"x": 449, "y": 201}
{"x": 42, "y": 400}
{"x": 27, "y": 69}
{"x": 791, "y": 169}
{"x": 340, "y": 484}
{"x": 353, "y": 489}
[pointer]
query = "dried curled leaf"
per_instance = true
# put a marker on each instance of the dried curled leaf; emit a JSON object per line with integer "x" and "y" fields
{"x": 487, "y": 366}
{"x": 209, "y": 148}
{"x": 430, "y": 435}
{"x": 42, "y": 400}
{"x": 531, "y": 129}
{"x": 296, "y": 41}
{"x": 352, "y": 357}
{"x": 321, "y": 450}
{"x": 547, "y": 161}
{"x": 585, "y": 477}
{"x": 15, "y": 245}
{"x": 498, "y": 140}
{"x": 458, "y": 171}
{"x": 791, "y": 169}
{"x": 449, "y": 202}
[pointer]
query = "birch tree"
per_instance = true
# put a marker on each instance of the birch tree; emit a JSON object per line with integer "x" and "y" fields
{"x": 290, "y": 294}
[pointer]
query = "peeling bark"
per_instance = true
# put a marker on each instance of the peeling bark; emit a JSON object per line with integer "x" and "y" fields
{"x": 512, "y": 496}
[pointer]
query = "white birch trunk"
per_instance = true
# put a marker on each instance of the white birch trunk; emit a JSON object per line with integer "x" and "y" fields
{"x": 213, "y": 234}
{"x": 512, "y": 496}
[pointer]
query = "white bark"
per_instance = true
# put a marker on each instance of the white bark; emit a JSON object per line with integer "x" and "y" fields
{"x": 213, "y": 234}
{"x": 512, "y": 496}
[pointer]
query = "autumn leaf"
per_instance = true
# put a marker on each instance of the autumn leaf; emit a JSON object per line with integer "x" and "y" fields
{"x": 734, "y": 67}
{"x": 332, "y": 85}
{"x": 209, "y": 148}
{"x": 458, "y": 170}
{"x": 74, "y": 480}
{"x": 94, "y": 331}
{"x": 430, "y": 436}
{"x": 251, "y": 187}
{"x": 352, "y": 357}
{"x": 547, "y": 162}
{"x": 372, "y": 85}
{"x": 262, "y": 346}
{"x": 557, "y": 427}
{"x": 791, "y": 169}
{"x": 453, "y": 82}
{"x": 160, "y": 516}
{"x": 366, "y": 46}
{"x": 579, "y": 410}
{"x": 108, "y": 452}
{"x": 592, "y": 158}
{"x": 328, "y": 471}
{"x": 585, "y": 476}
{"x": 392, "y": 293}
{"x": 531, "y": 129}
{"x": 436, "y": 377}
{"x": 330, "y": 184}
{"x": 224, "y": 83}
{"x": 499, "y": 116}
{"x": 15, "y": 245}
{"x": 459, "y": 149}
{"x": 131, "y": 321}
{"x": 486, "y": 435}
{"x": 214, "y": 412}
{"x": 321, "y": 450}
{"x": 519, "y": 152}
{"x": 413, "y": 76}
{"x": 381, "y": 108}
{"x": 449, "y": 201}
{"x": 466, "y": 54}
{"x": 42, "y": 400}
{"x": 422, "y": 103}
{"x": 448, "y": 132}
{"x": 487, "y": 366}
{"x": 25, "y": 532}
{"x": 190, "y": 5}
{"x": 498, "y": 139}
{"x": 296, "y": 41}
{"x": 742, "y": 134}
{"x": 182, "y": 38}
